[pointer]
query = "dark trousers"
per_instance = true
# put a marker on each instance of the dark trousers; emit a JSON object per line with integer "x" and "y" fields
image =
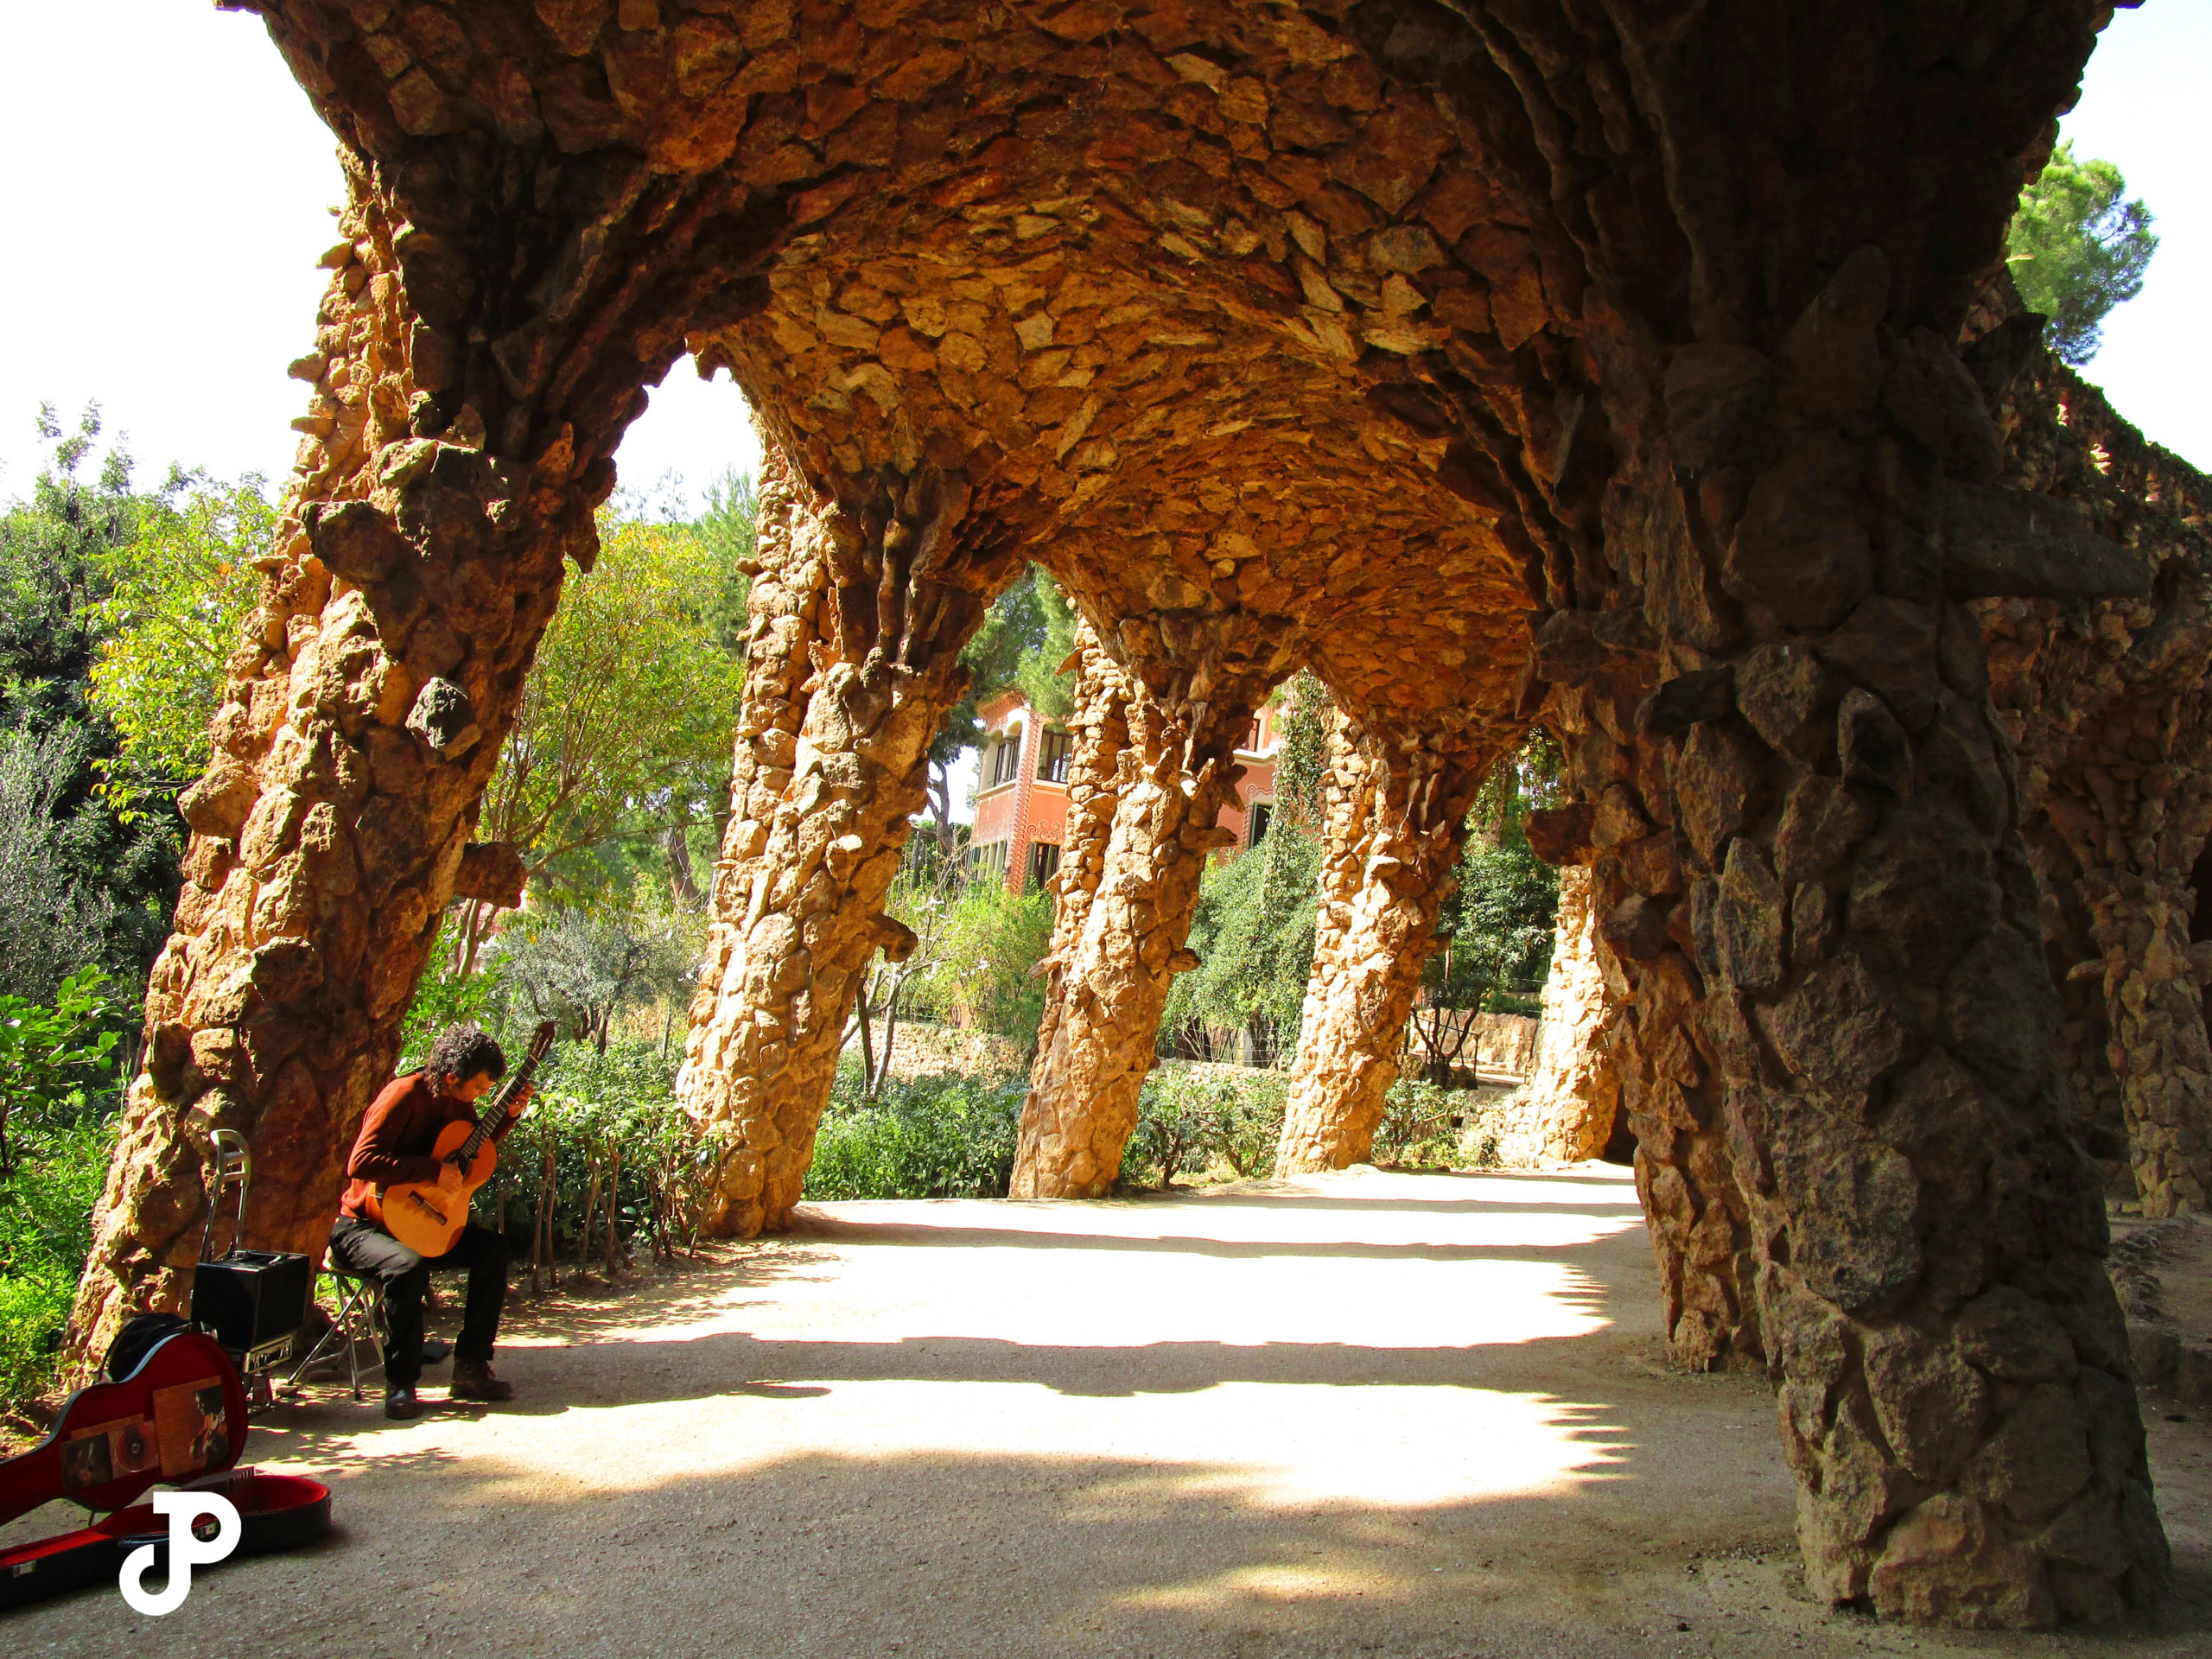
{"x": 364, "y": 1247}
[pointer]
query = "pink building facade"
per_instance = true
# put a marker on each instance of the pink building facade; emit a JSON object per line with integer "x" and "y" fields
{"x": 1021, "y": 798}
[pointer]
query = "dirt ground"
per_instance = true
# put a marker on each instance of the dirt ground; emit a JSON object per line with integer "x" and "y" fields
{"x": 1369, "y": 1413}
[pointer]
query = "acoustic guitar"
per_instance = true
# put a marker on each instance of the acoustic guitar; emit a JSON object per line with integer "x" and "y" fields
{"x": 423, "y": 1215}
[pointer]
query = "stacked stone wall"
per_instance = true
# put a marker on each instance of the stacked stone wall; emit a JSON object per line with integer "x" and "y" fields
{"x": 2107, "y": 705}
{"x": 1502, "y": 362}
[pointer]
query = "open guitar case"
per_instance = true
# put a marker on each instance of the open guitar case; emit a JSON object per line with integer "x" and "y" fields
{"x": 174, "y": 1410}
{"x": 179, "y": 1417}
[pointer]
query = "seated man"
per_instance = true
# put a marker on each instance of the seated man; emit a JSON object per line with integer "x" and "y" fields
{"x": 394, "y": 1148}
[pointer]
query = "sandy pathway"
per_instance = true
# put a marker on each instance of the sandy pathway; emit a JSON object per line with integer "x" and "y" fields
{"x": 1369, "y": 1413}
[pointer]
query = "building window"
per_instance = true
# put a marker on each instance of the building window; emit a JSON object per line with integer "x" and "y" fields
{"x": 1052, "y": 764}
{"x": 1252, "y": 739}
{"x": 989, "y": 859}
{"x": 1006, "y": 760}
{"x": 1263, "y": 814}
{"x": 1044, "y": 863}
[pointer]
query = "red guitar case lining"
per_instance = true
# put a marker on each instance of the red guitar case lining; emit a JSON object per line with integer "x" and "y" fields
{"x": 180, "y": 1417}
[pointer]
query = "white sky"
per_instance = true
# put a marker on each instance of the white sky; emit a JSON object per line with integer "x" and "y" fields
{"x": 165, "y": 191}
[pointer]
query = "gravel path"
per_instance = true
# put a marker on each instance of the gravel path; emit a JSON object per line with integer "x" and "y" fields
{"x": 1402, "y": 1414}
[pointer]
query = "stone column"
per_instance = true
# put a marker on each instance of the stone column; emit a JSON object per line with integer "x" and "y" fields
{"x": 1765, "y": 483}
{"x": 1147, "y": 783}
{"x": 1099, "y": 731}
{"x": 441, "y": 479}
{"x": 857, "y": 613}
{"x": 1565, "y": 1113}
{"x": 1393, "y": 821}
{"x": 1808, "y": 861}
{"x": 2113, "y": 721}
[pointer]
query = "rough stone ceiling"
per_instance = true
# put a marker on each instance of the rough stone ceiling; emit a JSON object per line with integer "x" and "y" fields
{"x": 1156, "y": 278}
{"x": 1127, "y": 282}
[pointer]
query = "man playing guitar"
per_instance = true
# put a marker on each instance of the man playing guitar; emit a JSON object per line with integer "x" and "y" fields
{"x": 394, "y": 1147}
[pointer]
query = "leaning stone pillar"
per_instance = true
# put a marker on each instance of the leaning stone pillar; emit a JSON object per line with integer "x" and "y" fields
{"x": 1809, "y": 861}
{"x": 1146, "y": 786}
{"x": 857, "y": 613}
{"x": 1392, "y": 822}
{"x": 439, "y": 484}
{"x": 1565, "y": 1111}
{"x": 2113, "y": 721}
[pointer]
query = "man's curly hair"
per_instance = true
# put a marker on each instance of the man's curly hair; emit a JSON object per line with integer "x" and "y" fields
{"x": 461, "y": 1052}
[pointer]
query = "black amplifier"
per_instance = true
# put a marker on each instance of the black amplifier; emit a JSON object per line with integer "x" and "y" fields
{"x": 251, "y": 1299}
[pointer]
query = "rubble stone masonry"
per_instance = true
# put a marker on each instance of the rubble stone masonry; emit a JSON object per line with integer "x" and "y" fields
{"x": 1501, "y": 362}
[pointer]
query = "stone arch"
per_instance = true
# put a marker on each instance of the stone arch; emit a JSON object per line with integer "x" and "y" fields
{"x": 1385, "y": 336}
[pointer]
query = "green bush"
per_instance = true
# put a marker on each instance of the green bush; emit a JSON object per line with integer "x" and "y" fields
{"x": 936, "y": 1137}
{"x": 619, "y": 1147}
{"x": 46, "y": 1232}
{"x": 1194, "y": 1118}
{"x": 58, "y": 1083}
{"x": 984, "y": 946}
{"x": 1417, "y": 1130}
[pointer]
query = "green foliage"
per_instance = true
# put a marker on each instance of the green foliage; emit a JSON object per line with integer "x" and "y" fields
{"x": 79, "y": 882}
{"x": 54, "y": 563}
{"x": 2077, "y": 248}
{"x": 1497, "y": 924}
{"x": 58, "y": 1078}
{"x": 982, "y": 952}
{"x": 1419, "y": 1131}
{"x": 583, "y": 968}
{"x": 445, "y": 996}
{"x": 1199, "y": 1117}
{"x": 730, "y": 529}
{"x": 46, "y": 1233}
{"x": 625, "y": 717}
{"x": 1051, "y": 693}
{"x": 57, "y": 1060}
{"x": 936, "y": 1137}
{"x": 56, "y": 912}
{"x": 1505, "y": 907}
{"x": 618, "y": 1148}
{"x": 1302, "y": 760}
{"x": 1253, "y": 934}
{"x": 176, "y": 595}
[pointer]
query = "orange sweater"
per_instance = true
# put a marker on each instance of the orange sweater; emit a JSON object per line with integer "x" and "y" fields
{"x": 394, "y": 1145}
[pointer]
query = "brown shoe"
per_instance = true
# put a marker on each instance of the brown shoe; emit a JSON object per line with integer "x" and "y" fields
{"x": 472, "y": 1380}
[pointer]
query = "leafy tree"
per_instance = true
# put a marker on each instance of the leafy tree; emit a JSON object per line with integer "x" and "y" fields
{"x": 625, "y": 723}
{"x": 79, "y": 882}
{"x": 55, "y": 562}
{"x": 1495, "y": 927}
{"x": 1051, "y": 693}
{"x": 56, "y": 912}
{"x": 1253, "y": 934}
{"x": 1302, "y": 758}
{"x": 2077, "y": 248}
{"x": 176, "y": 595}
{"x": 1253, "y": 931}
{"x": 730, "y": 529}
{"x": 983, "y": 951}
{"x": 584, "y": 968}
